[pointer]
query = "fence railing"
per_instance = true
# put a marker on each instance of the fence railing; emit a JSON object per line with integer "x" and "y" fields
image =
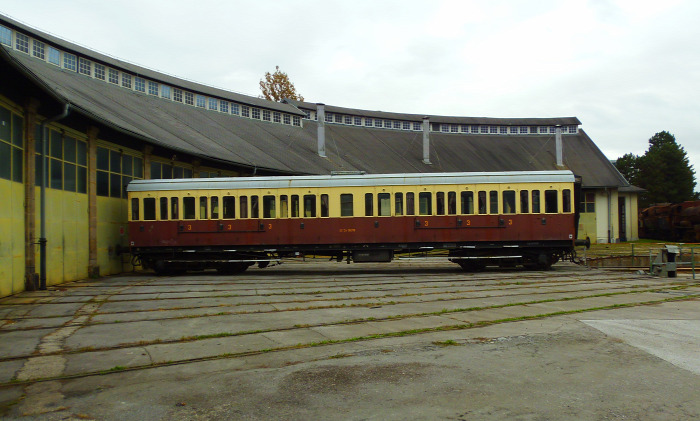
{"x": 638, "y": 256}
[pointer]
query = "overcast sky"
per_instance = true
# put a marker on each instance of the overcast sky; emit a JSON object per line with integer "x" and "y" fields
{"x": 626, "y": 68}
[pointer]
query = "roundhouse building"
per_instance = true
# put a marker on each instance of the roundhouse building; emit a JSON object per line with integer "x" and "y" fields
{"x": 102, "y": 122}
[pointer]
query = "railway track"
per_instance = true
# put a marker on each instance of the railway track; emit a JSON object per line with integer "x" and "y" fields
{"x": 123, "y": 324}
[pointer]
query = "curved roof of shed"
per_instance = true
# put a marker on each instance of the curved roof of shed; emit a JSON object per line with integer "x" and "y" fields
{"x": 288, "y": 149}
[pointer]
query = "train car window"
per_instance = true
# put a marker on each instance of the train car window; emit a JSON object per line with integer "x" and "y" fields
{"x": 535, "y": 201}
{"x": 551, "y": 201}
{"x": 188, "y": 208}
{"x": 149, "y": 209}
{"x": 284, "y": 206}
{"x": 295, "y": 206}
{"x": 346, "y": 204}
{"x": 174, "y": 208}
{"x": 215, "y": 207}
{"x": 163, "y": 208}
{"x": 309, "y": 205}
{"x": 384, "y": 204}
{"x": 254, "y": 207}
{"x": 398, "y": 204}
{"x": 243, "y": 206}
{"x": 524, "y": 201}
{"x": 451, "y": 203}
{"x": 324, "y": 206}
{"x": 425, "y": 203}
{"x": 369, "y": 198}
{"x": 229, "y": 203}
{"x": 566, "y": 201}
{"x": 269, "y": 210}
{"x": 134, "y": 209}
{"x": 440, "y": 203}
{"x": 482, "y": 202}
{"x": 467, "y": 202}
{"x": 203, "y": 214}
{"x": 410, "y": 204}
{"x": 493, "y": 199}
{"x": 509, "y": 201}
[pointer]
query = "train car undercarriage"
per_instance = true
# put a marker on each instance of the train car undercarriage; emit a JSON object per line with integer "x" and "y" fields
{"x": 470, "y": 257}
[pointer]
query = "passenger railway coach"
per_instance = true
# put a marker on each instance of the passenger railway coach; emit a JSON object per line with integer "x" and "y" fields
{"x": 229, "y": 224}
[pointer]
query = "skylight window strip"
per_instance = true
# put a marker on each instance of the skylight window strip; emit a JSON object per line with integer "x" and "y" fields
{"x": 357, "y": 120}
{"x": 223, "y": 106}
{"x": 348, "y": 119}
{"x": 378, "y": 122}
{"x": 213, "y": 104}
{"x": 201, "y": 101}
{"x": 245, "y": 111}
{"x": 5, "y": 36}
{"x": 407, "y": 125}
{"x": 338, "y": 118}
{"x": 513, "y": 130}
{"x": 387, "y": 124}
{"x": 287, "y": 119}
{"x": 22, "y": 43}
{"x": 454, "y": 128}
{"x": 397, "y": 124}
{"x": 329, "y": 118}
{"x": 277, "y": 117}
{"x": 368, "y": 122}
{"x": 189, "y": 98}
{"x": 177, "y": 95}
{"x": 266, "y": 115}
{"x": 417, "y": 126}
{"x": 297, "y": 120}
{"x": 503, "y": 130}
{"x": 234, "y": 108}
{"x": 493, "y": 129}
{"x": 255, "y": 113}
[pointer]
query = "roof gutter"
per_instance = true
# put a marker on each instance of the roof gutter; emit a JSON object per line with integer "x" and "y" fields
{"x": 44, "y": 182}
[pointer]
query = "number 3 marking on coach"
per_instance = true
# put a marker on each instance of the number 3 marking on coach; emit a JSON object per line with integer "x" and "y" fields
{"x": 228, "y": 227}
{"x": 426, "y": 223}
{"x": 189, "y": 228}
{"x": 269, "y": 226}
{"x": 510, "y": 222}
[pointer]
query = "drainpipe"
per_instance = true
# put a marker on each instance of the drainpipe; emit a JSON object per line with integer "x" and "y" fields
{"x": 609, "y": 214}
{"x": 321, "y": 136}
{"x": 426, "y": 140}
{"x": 559, "y": 147}
{"x": 44, "y": 182}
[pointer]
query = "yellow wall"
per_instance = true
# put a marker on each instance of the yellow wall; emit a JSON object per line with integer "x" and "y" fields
{"x": 11, "y": 238}
{"x": 66, "y": 235}
{"x": 111, "y": 231}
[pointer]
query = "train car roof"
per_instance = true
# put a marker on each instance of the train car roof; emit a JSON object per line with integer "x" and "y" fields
{"x": 352, "y": 180}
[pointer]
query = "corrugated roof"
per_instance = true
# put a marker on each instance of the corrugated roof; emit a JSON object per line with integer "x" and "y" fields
{"x": 145, "y": 72}
{"x": 289, "y": 149}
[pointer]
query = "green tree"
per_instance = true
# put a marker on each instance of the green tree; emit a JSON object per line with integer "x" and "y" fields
{"x": 664, "y": 171}
{"x": 277, "y": 86}
{"x": 628, "y": 165}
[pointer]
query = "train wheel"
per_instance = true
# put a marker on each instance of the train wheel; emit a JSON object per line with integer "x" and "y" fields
{"x": 471, "y": 266}
{"x": 233, "y": 268}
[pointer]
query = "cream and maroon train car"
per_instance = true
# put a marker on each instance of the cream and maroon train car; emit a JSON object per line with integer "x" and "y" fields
{"x": 229, "y": 224}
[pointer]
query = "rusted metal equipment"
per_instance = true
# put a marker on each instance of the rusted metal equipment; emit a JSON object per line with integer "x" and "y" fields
{"x": 672, "y": 222}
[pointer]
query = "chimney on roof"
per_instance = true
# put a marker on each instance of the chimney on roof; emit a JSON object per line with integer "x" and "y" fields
{"x": 559, "y": 147}
{"x": 426, "y": 140}
{"x": 321, "y": 137}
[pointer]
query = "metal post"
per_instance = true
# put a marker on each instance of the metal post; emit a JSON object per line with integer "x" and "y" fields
{"x": 651, "y": 263}
{"x": 692, "y": 260}
{"x": 632, "y": 250}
